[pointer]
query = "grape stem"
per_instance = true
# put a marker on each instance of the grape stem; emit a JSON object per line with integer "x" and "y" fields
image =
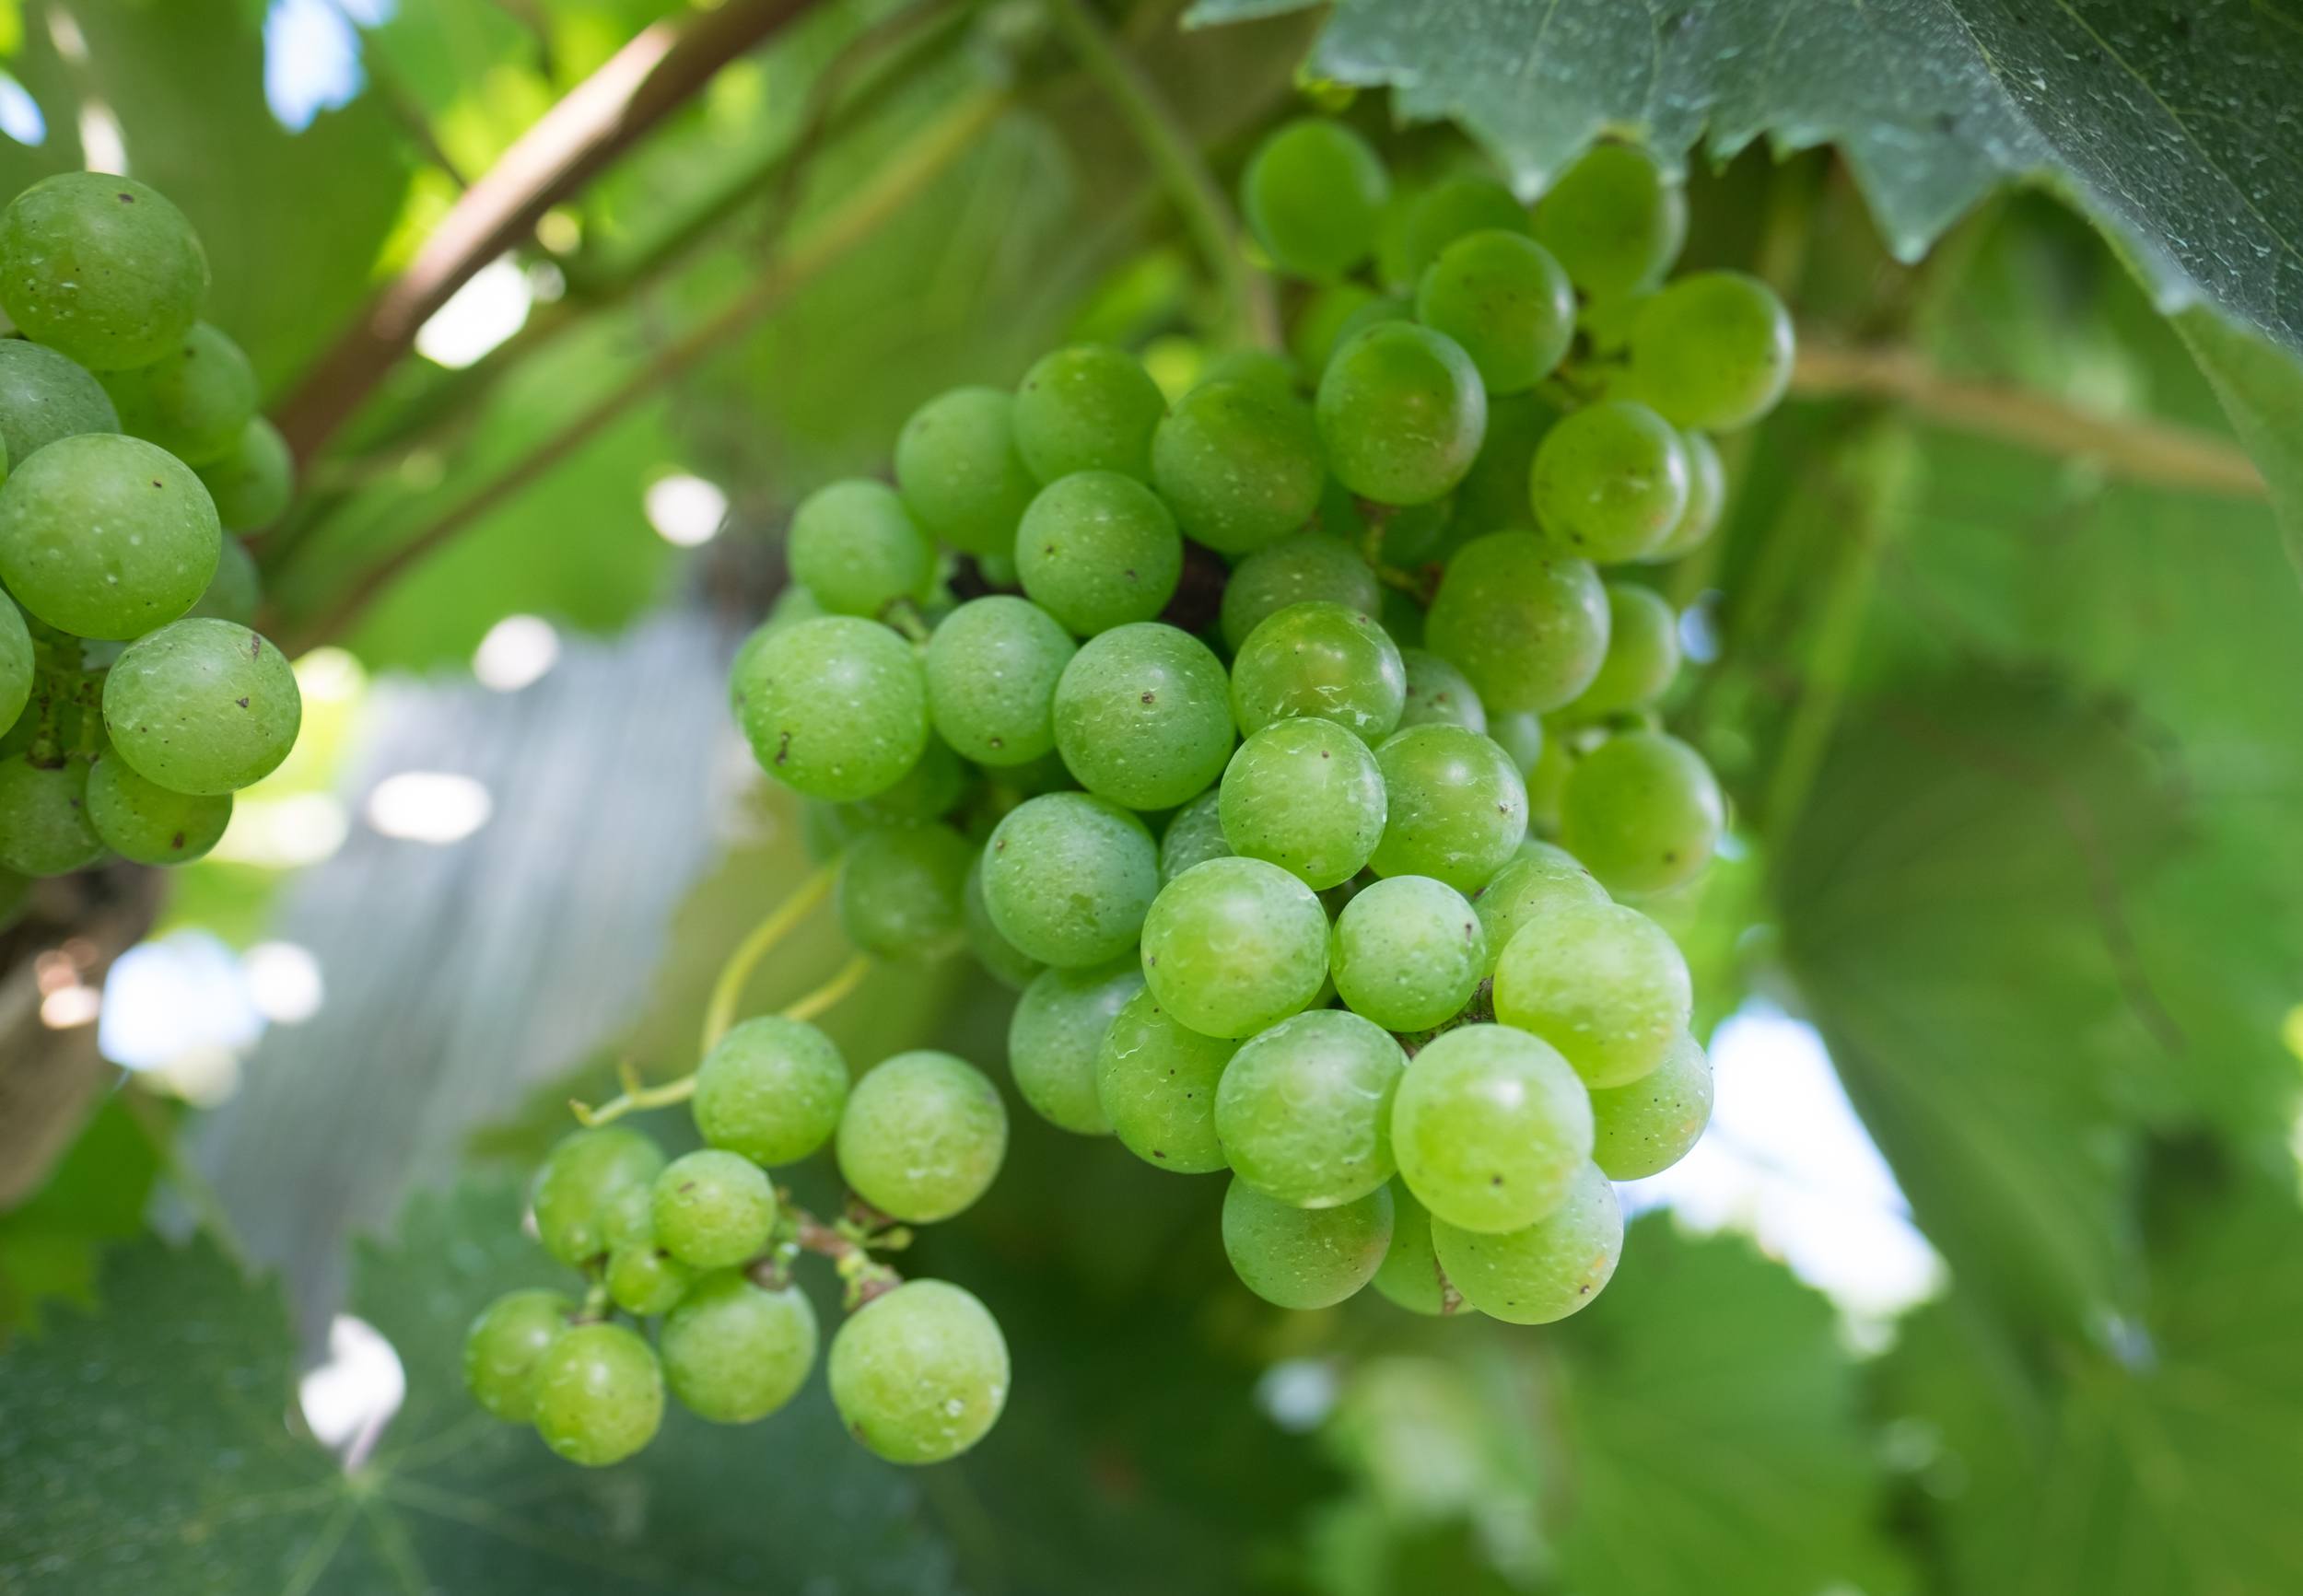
{"x": 728, "y": 989}
{"x": 846, "y": 1241}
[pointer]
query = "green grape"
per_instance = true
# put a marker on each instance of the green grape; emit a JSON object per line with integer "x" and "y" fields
{"x": 793, "y": 605}
{"x": 1490, "y": 1128}
{"x": 1407, "y": 952}
{"x": 194, "y": 402}
{"x": 584, "y": 1179}
{"x": 1504, "y": 299}
{"x": 1519, "y": 734}
{"x": 920, "y": 1374}
{"x": 825, "y": 830}
{"x": 855, "y": 547}
{"x": 1540, "y": 878}
{"x": 100, "y": 267}
{"x": 835, "y": 707}
{"x": 104, "y": 536}
{"x": 734, "y": 1352}
{"x": 644, "y": 1280}
{"x": 1644, "y": 1128}
{"x": 1056, "y": 1036}
{"x": 1309, "y": 567}
{"x": 1304, "y": 1111}
{"x": 1321, "y": 660}
{"x": 1713, "y": 351}
{"x": 1069, "y": 878}
{"x": 45, "y": 396}
{"x": 1546, "y": 1271}
{"x": 1609, "y": 482}
{"x": 1527, "y": 627}
{"x": 1233, "y": 946}
{"x": 923, "y": 1137}
{"x": 1239, "y": 465}
{"x": 771, "y": 1089}
{"x": 1554, "y": 761}
{"x": 1644, "y": 812}
{"x": 17, "y": 662}
{"x": 1439, "y": 216}
{"x": 1090, "y": 407}
{"x": 1008, "y": 964}
{"x": 599, "y": 1395}
{"x": 1410, "y": 1275}
{"x": 1457, "y": 806}
{"x": 45, "y": 825}
{"x": 1642, "y": 653}
{"x": 142, "y": 821}
{"x": 899, "y": 890}
{"x": 1401, "y": 414}
{"x": 505, "y": 1345}
{"x": 1265, "y": 368}
{"x": 1305, "y": 794}
{"x": 1312, "y": 193}
{"x": 1194, "y": 836}
{"x": 1304, "y": 1258}
{"x": 1439, "y": 694}
{"x": 928, "y": 791}
{"x": 1156, "y": 1079}
{"x": 1615, "y": 221}
{"x": 957, "y": 467}
{"x": 237, "y": 589}
{"x": 1707, "y": 497}
{"x": 1319, "y": 324}
{"x": 1098, "y": 550}
{"x": 202, "y": 706}
{"x": 713, "y": 1209}
{"x": 1416, "y": 535}
{"x": 1492, "y": 497}
{"x": 253, "y": 482}
{"x": 1603, "y": 984}
{"x": 1143, "y": 716}
{"x": 992, "y": 668}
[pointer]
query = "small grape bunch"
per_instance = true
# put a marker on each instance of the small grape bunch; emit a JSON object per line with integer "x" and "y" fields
{"x": 136, "y": 699}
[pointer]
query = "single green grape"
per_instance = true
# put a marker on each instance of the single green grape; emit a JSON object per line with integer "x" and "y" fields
{"x": 1615, "y": 221}
{"x": 1233, "y": 946}
{"x": 1098, "y": 550}
{"x": 1069, "y": 878}
{"x": 1527, "y": 627}
{"x": 236, "y": 590}
{"x": 771, "y": 1089}
{"x": 1056, "y": 1037}
{"x": 1239, "y": 465}
{"x": 793, "y": 605}
{"x": 1304, "y": 1258}
{"x": 100, "y": 267}
{"x": 1416, "y": 535}
{"x": 1610, "y": 482}
{"x": 142, "y": 821}
{"x": 1007, "y": 963}
{"x": 1707, "y": 497}
{"x": 1311, "y": 195}
{"x": 1603, "y": 984}
{"x": 106, "y": 536}
{"x": 1519, "y": 733}
{"x": 17, "y": 662}
{"x": 713, "y": 1209}
{"x": 584, "y": 1178}
{"x": 1194, "y": 836}
{"x": 923, "y": 1137}
{"x": 1304, "y": 1110}
{"x": 202, "y": 706}
{"x": 1143, "y": 716}
{"x": 1505, "y": 301}
{"x": 1492, "y": 497}
{"x": 928, "y": 791}
{"x": 957, "y": 467}
{"x": 1644, "y": 1128}
{"x": 504, "y": 1347}
{"x": 1458, "y": 807}
{"x": 1309, "y": 567}
{"x": 1401, "y": 414}
{"x": 1490, "y": 1128}
{"x": 644, "y": 1280}
{"x": 1555, "y": 760}
{"x": 734, "y": 1352}
{"x": 1407, "y": 952}
{"x": 1321, "y": 660}
{"x": 1541, "y": 878}
{"x": 45, "y": 824}
{"x": 1265, "y": 368}
{"x": 1713, "y": 351}
{"x": 1305, "y": 794}
{"x": 992, "y": 667}
{"x": 1089, "y": 407}
{"x": 920, "y": 1374}
{"x": 1318, "y": 326}
{"x": 855, "y": 547}
{"x": 1642, "y": 653}
{"x": 253, "y": 482}
{"x": 1427, "y": 223}
{"x": 1545, "y": 1271}
{"x": 599, "y": 1395}
{"x": 45, "y": 396}
{"x": 899, "y": 890}
{"x": 1410, "y": 1275}
{"x": 1439, "y": 694}
{"x": 1644, "y": 810}
{"x": 1156, "y": 1079}
{"x": 835, "y": 707}
{"x": 194, "y": 400}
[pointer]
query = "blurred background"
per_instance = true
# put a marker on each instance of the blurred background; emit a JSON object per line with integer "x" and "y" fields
{"x": 1986, "y": 1277}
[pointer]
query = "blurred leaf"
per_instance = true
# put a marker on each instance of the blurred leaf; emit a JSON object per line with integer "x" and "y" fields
{"x": 50, "y": 1244}
{"x": 2262, "y": 393}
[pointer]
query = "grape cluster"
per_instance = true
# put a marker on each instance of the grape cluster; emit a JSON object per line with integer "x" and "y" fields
{"x": 136, "y": 697}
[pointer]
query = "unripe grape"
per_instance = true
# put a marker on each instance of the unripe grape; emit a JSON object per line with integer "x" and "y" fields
{"x": 1603, "y": 984}
{"x": 957, "y": 467}
{"x": 1143, "y": 716}
{"x": 254, "y": 481}
{"x": 506, "y": 1344}
{"x": 202, "y": 706}
{"x": 1401, "y": 414}
{"x": 1239, "y": 464}
{"x": 1439, "y": 694}
{"x": 1006, "y": 962}
{"x": 194, "y": 400}
{"x": 992, "y": 667}
{"x": 584, "y": 1178}
{"x": 1505, "y": 301}
{"x": 1642, "y": 653}
{"x": 1527, "y": 627}
{"x": 1304, "y": 1110}
{"x": 1311, "y": 195}
{"x": 1233, "y": 946}
{"x": 1707, "y": 497}
{"x": 1156, "y": 1079}
{"x": 855, "y": 547}
{"x": 17, "y": 662}
{"x": 1265, "y": 368}
{"x": 1323, "y": 661}
{"x": 1429, "y": 222}
{"x": 1492, "y": 497}
{"x": 1098, "y": 550}
{"x": 1458, "y": 807}
{"x": 45, "y": 396}
{"x": 1615, "y": 221}
{"x": 923, "y": 1137}
{"x": 920, "y": 1375}
{"x": 45, "y": 824}
{"x": 644, "y": 1280}
{"x": 106, "y": 536}
{"x": 1090, "y": 407}
{"x": 1490, "y": 1128}
{"x": 1545, "y": 1271}
{"x": 1609, "y": 482}
{"x": 1304, "y": 1258}
{"x": 1309, "y": 567}
{"x": 1194, "y": 836}
{"x": 899, "y": 890}
{"x": 1520, "y": 733}
{"x": 1713, "y": 351}
{"x": 236, "y": 590}
{"x": 1407, "y": 952}
{"x": 771, "y": 1089}
{"x": 928, "y": 791}
{"x": 1305, "y": 794}
{"x": 1320, "y": 325}
{"x": 835, "y": 707}
{"x": 599, "y": 1395}
{"x": 1644, "y": 810}
{"x": 1644, "y": 1128}
{"x": 1069, "y": 878}
{"x": 713, "y": 1209}
{"x": 1056, "y": 1037}
{"x": 142, "y": 821}
{"x": 100, "y": 267}
{"x": 1541, "y": 877}
{"x": 734, "y": 1352}
{"x": 1410, "y": 1275}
